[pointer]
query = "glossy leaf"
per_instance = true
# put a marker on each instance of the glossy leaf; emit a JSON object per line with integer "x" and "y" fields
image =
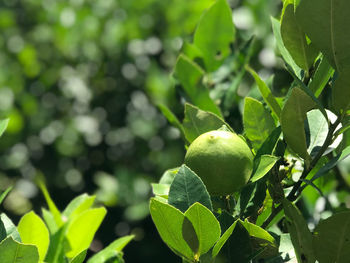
{"x": 12, "y": 251}
{"x": 263, "y": 164}
{"x": 187, "y": 189}
{"x": 265, "y": 92}
{"x": 292, "y": 121}
{"x": 257, "y": 121}
{"x": 112, "y": 251}
{"x": 326, "y": 24}
{"x": 197, "y": 122}
{"x": 169, "y": 223}
{"x": 331, "y": 239}
{"x": 299, "y": 233}
{"x": 8, "y": 228}
{"x": 82, "y": 229}
{"x": 295, "y": 41}
{"x": 33, "y": 231}
{"x": 341, "y": 92}
{"x": 190, "y": 76}
{"x": 161, "y": 190}
{"x": 214, "y": 34}
{"x": 206, "y": 226}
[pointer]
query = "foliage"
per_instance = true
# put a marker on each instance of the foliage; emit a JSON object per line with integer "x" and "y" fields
{"x": 300, "y": 140}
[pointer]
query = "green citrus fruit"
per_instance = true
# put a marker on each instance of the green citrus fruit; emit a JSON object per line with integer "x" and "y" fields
{"x": 222, "y": 160}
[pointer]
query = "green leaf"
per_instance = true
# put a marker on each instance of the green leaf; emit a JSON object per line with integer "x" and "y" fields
{"x": 214, "y": 34}
{"x": 266, "y": 93}
{"x": 251, "y": 199}
{"x": 276, "y": 28}
{"x": 78, "y": 205}
{"x": 206, "y": 226}
{"x": 261, "y": 239}
{"x": 49, "y": 220}
{"x": 112, "y": 251}
{"x": 190, "y": 76}
{"x": 3, "y": 126}
{"x": 80, "y": 257}
{"x": 52, "y": 207}
{"x": 299, "y": 233}
{"x": 326, "y": 22}
{"x": 173, "y": 120}
{"x": 331, "y": 240}
{"x": 161, "y": 190}
{"x": 294, "y": 39}
{"x": 225, "y": 236}
{"x": 257, "y": 121}
{"x": 12, "y": 251}
{"x": 168, "y": 176}
{"x": 187, "y": 189}
{"x": 197, "y": 122}
{"x": 82, "y": 229}
{"x": 321, "y": 77}
{"x": 341, "y": 93}
{"x": 292, "y": 121}
{"x": 270, "y": 143}
{"x": 9, "y": 229}
{"x": 33, "y": 231}
{"x": 263, "y": 164}
{"x": 236, "y": 243}
{"x": 55, "y": 254}
{"x": 331, "y": 164}
{"x": 4, "y": 194}
{"x": 169, "y": 223}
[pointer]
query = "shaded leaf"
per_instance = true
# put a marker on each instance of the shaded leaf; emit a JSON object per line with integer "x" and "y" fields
{"x": 12, "y": 251}
{"x": 186, "y": 189}
{"x": 321, "y": 77}
{"x": 299, "y": 232}
{"x": 331, "y": 239}
{"x": 276, "y": 28}
{"x": 326, "y": 24}
{"x": 292, "y": 121}
{"x": 206, "y": 226}
{"x": 294, "y": 39}
{"x": 169, "y": 223}
{"x": 173, "y": 120}
{"x": 341, "y": 92}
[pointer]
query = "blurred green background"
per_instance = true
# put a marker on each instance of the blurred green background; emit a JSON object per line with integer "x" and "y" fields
{"x": 79, "y": 81}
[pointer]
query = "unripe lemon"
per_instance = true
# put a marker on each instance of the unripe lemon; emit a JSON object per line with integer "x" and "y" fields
{"x": 222, "y": 160}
